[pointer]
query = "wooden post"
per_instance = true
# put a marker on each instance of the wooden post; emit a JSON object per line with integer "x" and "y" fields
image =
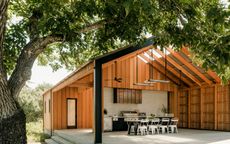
{"x": 51, "y": 114}
{"x": 189, "y": 108}
{"x": 175, "y": 101}
{"x": 98, "y": 85}
{"x": 201, "y": 107}
{"x": 215, "y": 108}
{"x": 178, "y": 104}
{"x": 98, "y": 102}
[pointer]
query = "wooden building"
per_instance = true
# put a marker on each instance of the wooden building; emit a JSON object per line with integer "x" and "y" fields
{"x": 194, "y": 95}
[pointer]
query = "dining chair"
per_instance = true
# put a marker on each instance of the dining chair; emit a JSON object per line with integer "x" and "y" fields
{"x": 163, "y": 127}
{"x": 133, "y": 126}
{"x": 173, "y": 125}
{"x": 154, "y": 126}
{"x": 143, "y": 127}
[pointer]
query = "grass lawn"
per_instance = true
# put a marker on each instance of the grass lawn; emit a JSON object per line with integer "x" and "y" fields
{"x": 34, "y": 131}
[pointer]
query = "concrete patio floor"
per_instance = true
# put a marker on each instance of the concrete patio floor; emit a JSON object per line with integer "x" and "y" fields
{"x": 185, "y": 136}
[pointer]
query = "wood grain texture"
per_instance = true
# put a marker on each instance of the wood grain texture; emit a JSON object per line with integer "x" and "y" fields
{"x": 84, "y": 98}
{"x": 126, "y": 70}
{"x": 197, "y": 104}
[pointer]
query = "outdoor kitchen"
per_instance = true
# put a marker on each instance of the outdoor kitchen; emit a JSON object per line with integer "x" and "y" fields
{"x": 123, "y": 105}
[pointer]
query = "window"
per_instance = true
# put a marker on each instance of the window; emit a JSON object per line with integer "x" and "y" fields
{"x": 131, "y": 96}
{"x": 45, "y": 107}
{"x": 49, "y": 106}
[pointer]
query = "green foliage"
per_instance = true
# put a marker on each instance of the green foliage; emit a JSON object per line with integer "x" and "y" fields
{"x": 31, "y": 101}
{"x": 15, "y": 40}
{"x": 34, "y": 131}
{"x": 203, "y": 26}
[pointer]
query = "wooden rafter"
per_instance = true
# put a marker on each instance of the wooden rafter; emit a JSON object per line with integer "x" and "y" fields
{"x": 214, "y": 76}
{"x": 171, "y": 69}
{"x": 185, "y": 51}
{"x": 209, "y": 72}
{"x": 127, "y": 56}
{"x": 189, "y": 65}
{"x": 179, "y": 67}
{"x": 159, "y": 68}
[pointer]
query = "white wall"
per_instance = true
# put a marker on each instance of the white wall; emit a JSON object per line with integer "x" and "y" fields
{"x": 151, "y": 102}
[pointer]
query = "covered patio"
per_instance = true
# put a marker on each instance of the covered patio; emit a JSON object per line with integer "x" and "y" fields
{"x": 185, "y": 136}
{"x": 139, "y": 81}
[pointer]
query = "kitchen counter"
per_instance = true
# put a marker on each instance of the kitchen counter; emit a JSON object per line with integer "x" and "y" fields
{"x": 119, "y": 124}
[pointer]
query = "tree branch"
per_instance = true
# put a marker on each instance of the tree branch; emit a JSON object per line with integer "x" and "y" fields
{"x": 97, "y": 25}
{"x": 22, "y": 71}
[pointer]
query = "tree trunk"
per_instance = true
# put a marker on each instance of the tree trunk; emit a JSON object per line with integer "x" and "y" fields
{"x": 13, "y": 129}
{"x": 12, "y": 118}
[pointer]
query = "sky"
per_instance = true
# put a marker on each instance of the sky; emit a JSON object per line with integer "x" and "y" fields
{"x": 45, "y": 74}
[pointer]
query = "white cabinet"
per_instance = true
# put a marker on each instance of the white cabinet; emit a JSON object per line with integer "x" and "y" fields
{"x": 108, "y": 123}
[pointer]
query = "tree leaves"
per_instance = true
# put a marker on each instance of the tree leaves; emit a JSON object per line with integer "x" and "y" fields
{"x": 31, "y": 101}
{"x": 201, "y": 25}
{"x": 15, "y": 40}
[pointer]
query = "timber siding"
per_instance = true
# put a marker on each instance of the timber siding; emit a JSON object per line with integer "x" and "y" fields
{"x": 84, "y": 107}
{"x": 206, "y": 107}
{"x": 196, "y": 96}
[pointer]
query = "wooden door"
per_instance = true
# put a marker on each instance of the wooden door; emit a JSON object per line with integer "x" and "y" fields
{"x": 71, "y": 113}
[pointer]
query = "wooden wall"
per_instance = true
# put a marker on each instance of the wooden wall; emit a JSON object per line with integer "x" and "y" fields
{"x": 195, "y": 108}
{"x": 207, "y": 117}
{"x": 126, "y": 69}
{"x": 206, "y": 107}
{"x": 183, "y": 109}
{"x": 83, "y": 91}
{"x": 84, "y": 107}
{"x": 223, "y": 108}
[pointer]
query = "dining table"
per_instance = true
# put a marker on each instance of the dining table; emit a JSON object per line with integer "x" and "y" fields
{"x": 165, "y": 116}
{"x": 136, "y": 122}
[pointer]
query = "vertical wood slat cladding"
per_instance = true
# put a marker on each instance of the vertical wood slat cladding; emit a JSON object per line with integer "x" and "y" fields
{"x": 59, "y": 109}
{"x": 195, "y": 108}
{"x": 84, "y": 98}
{"x": 223, "y": 108}
{"x": 126, "y": 70}
{"x": 205, "y": 107}
{"x": 173, "y": 102}
{"x": 205, "y": 112}
{"x": 183, "y": 109}
{"x": 208, "y": 108}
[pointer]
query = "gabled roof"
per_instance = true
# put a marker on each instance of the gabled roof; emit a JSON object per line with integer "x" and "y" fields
{"x": 178, "y": 64}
